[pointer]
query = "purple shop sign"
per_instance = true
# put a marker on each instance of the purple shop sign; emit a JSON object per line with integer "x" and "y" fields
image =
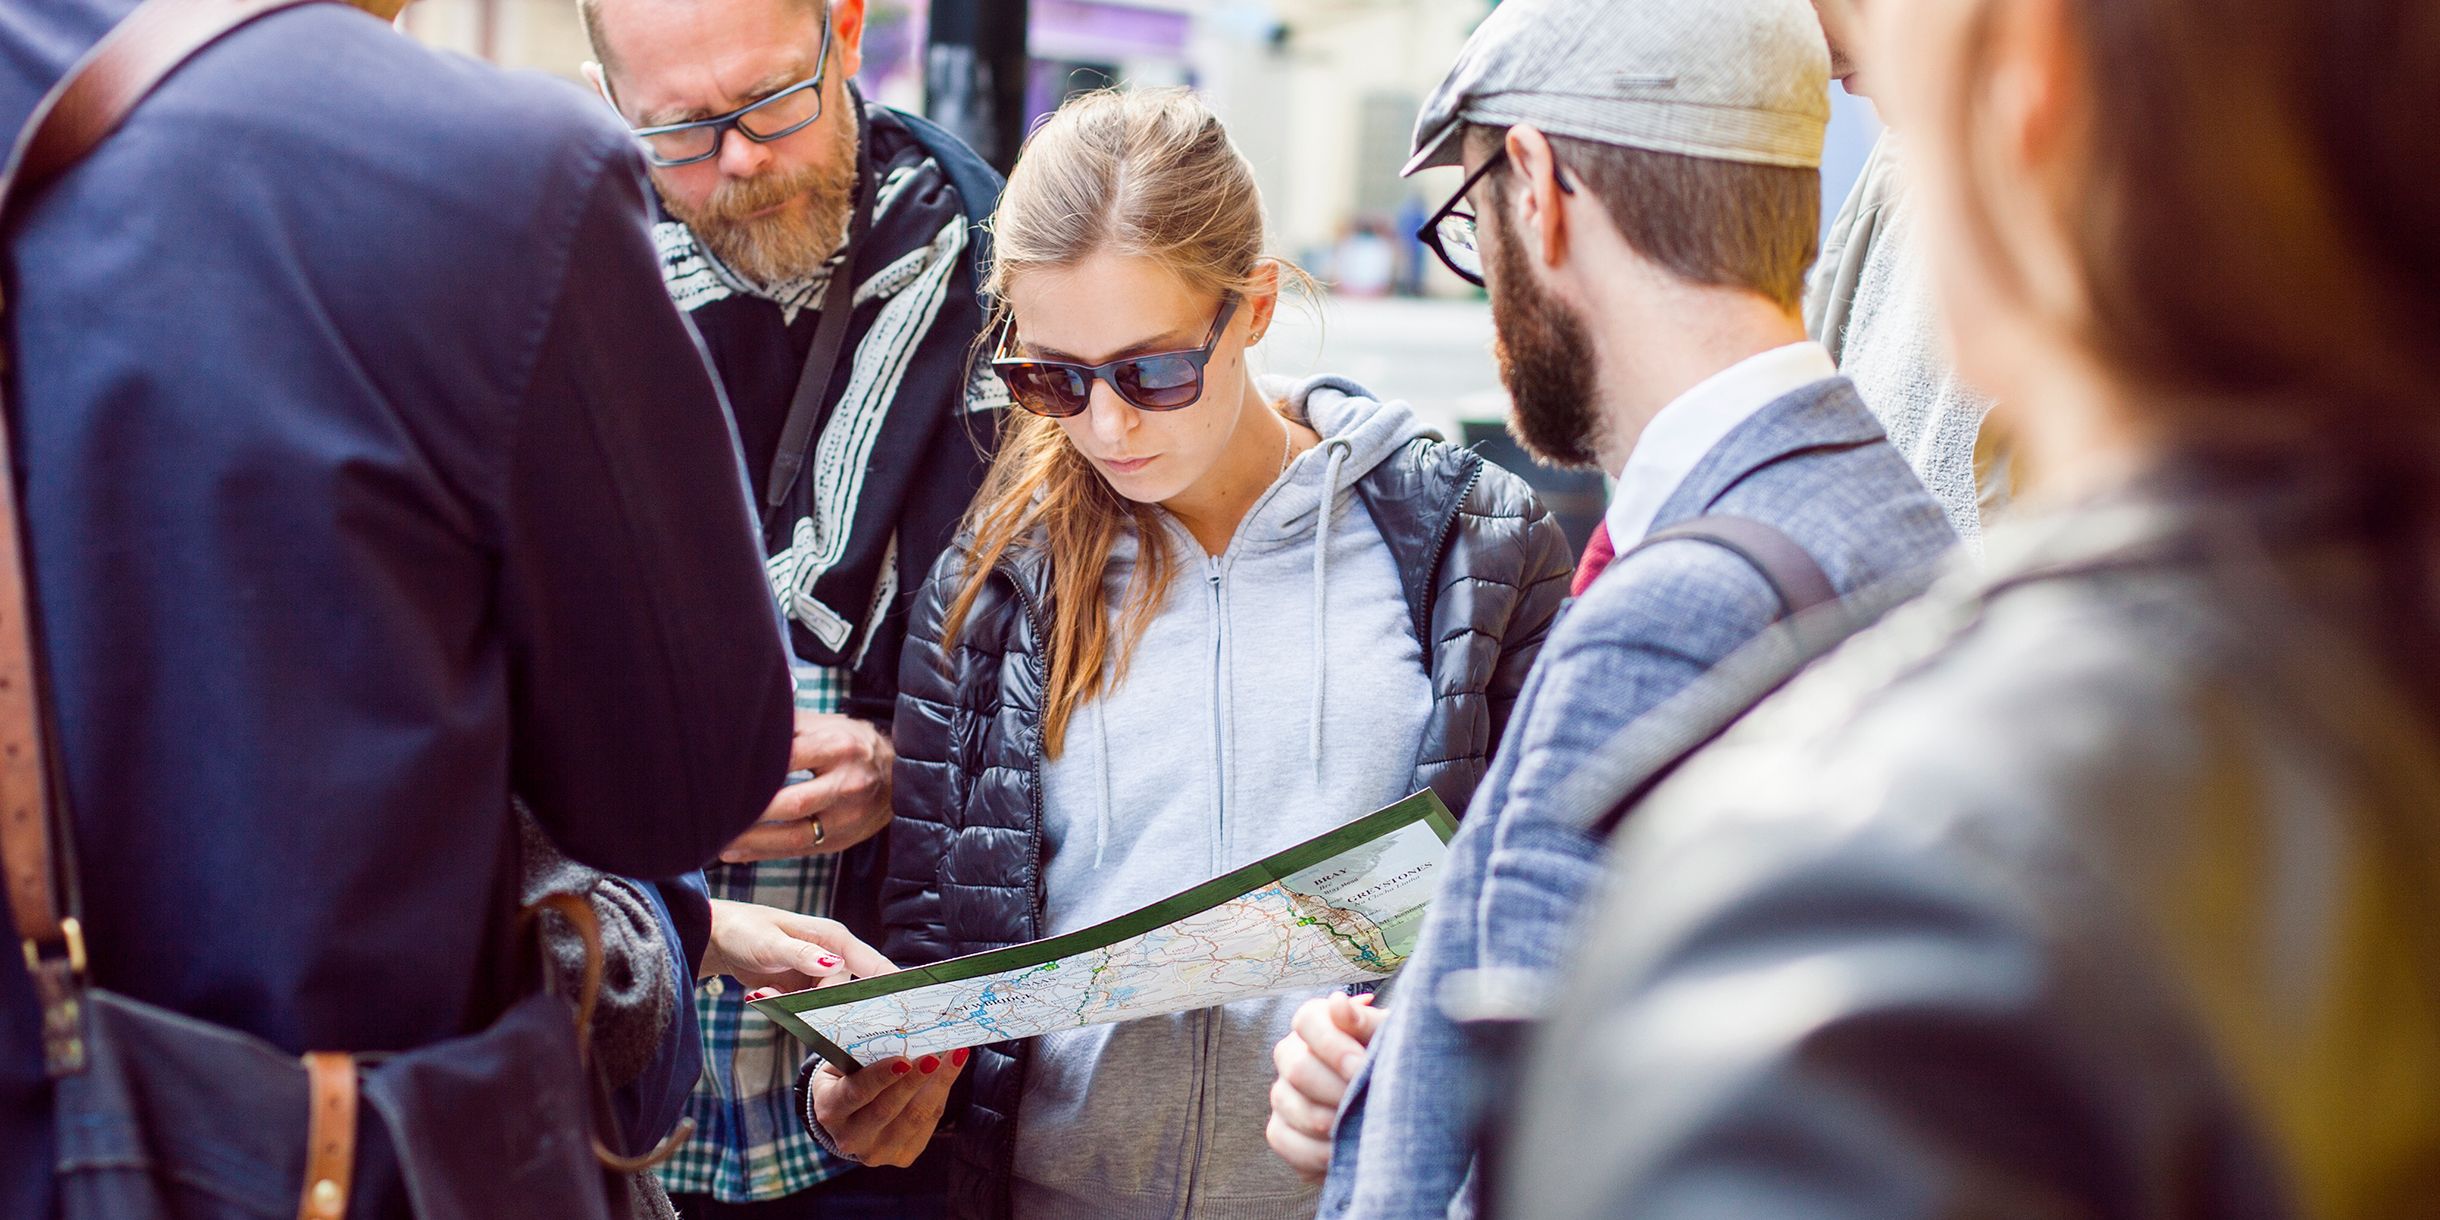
{"x": 1082, "y": 29}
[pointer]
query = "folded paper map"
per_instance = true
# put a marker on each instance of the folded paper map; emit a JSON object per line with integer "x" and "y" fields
{"x": 1342, "y": 908}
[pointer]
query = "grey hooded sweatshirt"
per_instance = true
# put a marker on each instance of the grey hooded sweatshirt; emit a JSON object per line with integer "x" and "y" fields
{"x": 1279, "y": 693}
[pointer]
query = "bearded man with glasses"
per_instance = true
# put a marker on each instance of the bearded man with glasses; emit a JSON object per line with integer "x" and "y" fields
{"x": 826, "y": 248}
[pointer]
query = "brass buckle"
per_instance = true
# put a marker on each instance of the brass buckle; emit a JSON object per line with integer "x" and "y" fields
{"x": 59, "y": 988}
{"x": 72, "y": 935}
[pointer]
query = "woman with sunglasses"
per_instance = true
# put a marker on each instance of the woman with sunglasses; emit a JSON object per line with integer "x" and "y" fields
{"x": 1196, "y": 618}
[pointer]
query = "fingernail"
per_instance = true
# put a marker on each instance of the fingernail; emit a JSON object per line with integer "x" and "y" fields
{"x": 901, "y": 1068}
{"x": 929, "y": 1064}
{"x": 959, "y": 1056}
{"x": 827, "y": 962}
{"x": 762, "y": 993}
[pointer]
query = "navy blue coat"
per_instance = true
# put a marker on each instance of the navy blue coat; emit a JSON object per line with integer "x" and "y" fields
{"x": 369, "y": 473}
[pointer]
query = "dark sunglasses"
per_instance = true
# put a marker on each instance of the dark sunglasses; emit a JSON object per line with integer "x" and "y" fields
{"x": 1452, "y": 232}
{"x": 1161, "y": 382}
{"x": 783, "y": 114}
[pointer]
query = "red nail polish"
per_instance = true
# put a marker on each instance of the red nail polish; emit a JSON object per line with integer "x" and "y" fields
{"x": 929, "y": 1064}
{"x": 959, "y": 1056}
{"x": 901, "y": 1068}
{"x": 827, "y": 962}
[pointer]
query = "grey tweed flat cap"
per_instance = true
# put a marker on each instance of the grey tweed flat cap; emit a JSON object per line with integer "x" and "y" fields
{"x": 1732, "y": 80}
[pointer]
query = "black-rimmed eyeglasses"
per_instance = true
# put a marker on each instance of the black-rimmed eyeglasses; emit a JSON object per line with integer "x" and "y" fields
{"x": 783, "y": 114}
{"x": 1165, "y": 381}
{"x": 1452, "y": 232}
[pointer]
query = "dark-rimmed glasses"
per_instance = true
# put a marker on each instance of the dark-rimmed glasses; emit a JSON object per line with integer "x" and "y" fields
{"x": 1057, "y": 389}
{"x": 1452, "y": 233}
{"x": 776, "y": 117}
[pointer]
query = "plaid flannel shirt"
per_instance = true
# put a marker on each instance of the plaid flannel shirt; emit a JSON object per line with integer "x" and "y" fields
{"x": 749, "y": 1146}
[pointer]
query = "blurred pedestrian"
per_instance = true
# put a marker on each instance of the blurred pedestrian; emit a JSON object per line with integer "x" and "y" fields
{"x": 1870, "y": 303}
{"x": 1367, "y": 265}
{"x": 1415, "y": 259}
{"x": 2101, "y": 882}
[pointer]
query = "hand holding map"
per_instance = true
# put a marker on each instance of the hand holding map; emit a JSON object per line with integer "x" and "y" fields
{"x": 1342, "y": 908}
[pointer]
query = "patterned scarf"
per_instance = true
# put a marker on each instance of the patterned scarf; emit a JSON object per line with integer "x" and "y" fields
{"x": 905, "y": 430}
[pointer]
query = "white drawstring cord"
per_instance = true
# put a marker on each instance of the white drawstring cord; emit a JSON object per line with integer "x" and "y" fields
{"x": 1324, "y": 519}
{"x": 1101, "y": 813}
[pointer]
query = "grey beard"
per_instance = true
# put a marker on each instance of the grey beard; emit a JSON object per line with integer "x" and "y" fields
{"x": 774, "y": 254}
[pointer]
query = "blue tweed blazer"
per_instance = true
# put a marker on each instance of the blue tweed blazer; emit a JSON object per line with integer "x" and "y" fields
{"x": 1814, "y": 464}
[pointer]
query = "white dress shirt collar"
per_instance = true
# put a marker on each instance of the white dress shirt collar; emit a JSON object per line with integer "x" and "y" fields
{"x": 1697, "y": 421}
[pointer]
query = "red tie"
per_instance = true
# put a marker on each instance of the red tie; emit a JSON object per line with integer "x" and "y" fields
{"x": 1597, "y": 555}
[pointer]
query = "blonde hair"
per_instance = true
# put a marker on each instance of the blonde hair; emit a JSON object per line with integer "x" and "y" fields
{"x": 1138, "y": 173}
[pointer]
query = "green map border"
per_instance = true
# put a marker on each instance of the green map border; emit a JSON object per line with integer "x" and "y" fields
{"x": 783, "y": 1010}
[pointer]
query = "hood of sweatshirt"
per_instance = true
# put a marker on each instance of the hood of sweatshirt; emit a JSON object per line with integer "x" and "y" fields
{"x": 1358, "y": 433}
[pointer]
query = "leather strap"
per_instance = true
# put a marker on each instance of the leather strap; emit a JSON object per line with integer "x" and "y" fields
{"x": 98, "y": 93}
{"x": 1618, "y": 775}
{"x": 1782, "y": 562}
{"x": 25, "y": 812}
{"x": 581, "y": 918}
{"x": 330, "y": 1141}
{"x": 77, "y": 114}
{"x": 1699, "y": 716}
{"x": 588, "y": 928}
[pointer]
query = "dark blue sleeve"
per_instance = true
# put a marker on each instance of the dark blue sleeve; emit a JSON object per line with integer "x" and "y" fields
{"x": 649, "y": 1107}
{"x": 650, "y": 685}
{"x": 688, "y": 902}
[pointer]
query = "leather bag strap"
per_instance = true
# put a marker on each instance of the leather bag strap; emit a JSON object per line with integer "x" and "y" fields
{"x": 330, "y": 1140}
{"x": 36, "y": 855}
{"x": 102, "y": 88}
{"x": 586, "y": 923}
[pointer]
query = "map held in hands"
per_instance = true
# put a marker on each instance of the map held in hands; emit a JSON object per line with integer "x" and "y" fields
{"x": 1341, "y": 908}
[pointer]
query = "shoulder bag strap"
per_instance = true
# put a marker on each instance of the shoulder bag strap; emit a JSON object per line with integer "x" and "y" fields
{"x": 1781, "y": 561}
{"x": 77, "y": 114}
{"x": 829, "y": 339}
{"x": 1646, "y": 752}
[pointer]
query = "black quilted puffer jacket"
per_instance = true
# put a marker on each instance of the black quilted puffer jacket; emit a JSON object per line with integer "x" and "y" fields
{"x": 1485, "y": 571}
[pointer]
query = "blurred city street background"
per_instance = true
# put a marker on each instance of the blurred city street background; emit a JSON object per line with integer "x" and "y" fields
{"x": 1320, "y": 94}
